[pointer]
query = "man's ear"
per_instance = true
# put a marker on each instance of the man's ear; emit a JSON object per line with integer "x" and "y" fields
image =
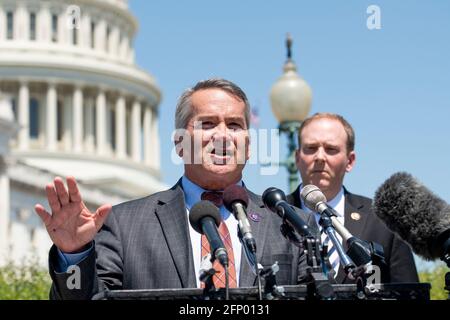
{"x": 351, "y": 158}
{"x": 178, "y": 142}
{"x": 178, "y": 149}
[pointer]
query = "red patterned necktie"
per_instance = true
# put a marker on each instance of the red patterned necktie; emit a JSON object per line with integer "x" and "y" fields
{"x": 219, "y": 277}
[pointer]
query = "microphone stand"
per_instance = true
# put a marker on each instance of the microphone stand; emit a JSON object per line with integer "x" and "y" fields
{"x": 207, "y": 272}
{"x": 364, "y": 253}
{"x": 250, "y": 256}
{"x": 318, "y": 285}
{"x": 227, "y": 285}
{"x": 345, "y": 260}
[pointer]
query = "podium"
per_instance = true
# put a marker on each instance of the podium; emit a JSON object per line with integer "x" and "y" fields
{"x": 391, "y": 291}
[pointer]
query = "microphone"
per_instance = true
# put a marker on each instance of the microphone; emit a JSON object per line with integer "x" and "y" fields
{"x": 315, "y": 200}
{"x": 275, "y": 200}
{"x": 235, "y": 199}
{"x": 204, "y": 218}
{"x": 417, "y": 215}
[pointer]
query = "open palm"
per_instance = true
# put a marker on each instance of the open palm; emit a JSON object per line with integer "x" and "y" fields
{"x": 70, "y": 225}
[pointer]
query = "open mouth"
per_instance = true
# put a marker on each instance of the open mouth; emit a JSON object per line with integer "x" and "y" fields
{"x": 222, "y": 152}
{"x": 221, "y": 156}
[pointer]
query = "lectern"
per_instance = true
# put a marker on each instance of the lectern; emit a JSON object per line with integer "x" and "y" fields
{"x": 391, "y": 291}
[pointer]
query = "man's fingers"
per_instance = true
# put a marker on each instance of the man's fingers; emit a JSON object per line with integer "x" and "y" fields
{"x": 61, "y": 191}
{"x": 101, "y": 214}
{"x": 43, "y": 214}
{"x": 52, "y": 198}
{"x": 74, "y": 193}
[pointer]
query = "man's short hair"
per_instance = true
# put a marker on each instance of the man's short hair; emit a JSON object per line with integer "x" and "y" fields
{"x": 184, "y": 110}
{"x": 325, "y": 115}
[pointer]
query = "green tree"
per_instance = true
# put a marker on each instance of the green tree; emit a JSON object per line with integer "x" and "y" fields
{"x": 28, "y": 281}
{"x": 436, "y": 277}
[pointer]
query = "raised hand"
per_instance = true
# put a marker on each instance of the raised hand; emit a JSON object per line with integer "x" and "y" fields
{"x": 70, "y": 225}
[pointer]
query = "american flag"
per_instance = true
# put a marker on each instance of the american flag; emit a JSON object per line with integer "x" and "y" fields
{"x": 254, "y": 117}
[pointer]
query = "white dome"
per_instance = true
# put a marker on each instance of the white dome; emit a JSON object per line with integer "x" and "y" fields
{"x": 82, "y": 106}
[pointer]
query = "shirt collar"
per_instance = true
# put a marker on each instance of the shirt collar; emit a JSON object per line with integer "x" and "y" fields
{"x": 193, "y": 194}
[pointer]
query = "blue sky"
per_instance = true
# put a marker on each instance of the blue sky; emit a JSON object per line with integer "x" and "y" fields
{"x": 392, "y": 84}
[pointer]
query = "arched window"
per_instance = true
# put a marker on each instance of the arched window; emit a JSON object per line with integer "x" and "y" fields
{"x": 112, "y": 127}
{"x": 92, "y": 34}
{"x": 32, "y": 26}
{"x": 60, "y": 120}
{"x": 74, "y": 36}
{"x": 108, "y": 39}
{"x": 34, "y": 118}
{"x": 54, "y": 27}
{"x": 9, "y": 25}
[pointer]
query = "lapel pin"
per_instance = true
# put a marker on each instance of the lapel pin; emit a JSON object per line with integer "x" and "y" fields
{"x": 355, "y": 216}
{"x": 254, "y": 216}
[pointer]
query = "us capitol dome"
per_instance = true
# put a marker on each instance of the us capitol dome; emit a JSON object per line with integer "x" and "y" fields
{"x": 72, "y": 102}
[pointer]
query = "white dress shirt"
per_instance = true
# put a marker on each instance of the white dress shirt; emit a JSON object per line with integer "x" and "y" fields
{"x": 192, "y": 195}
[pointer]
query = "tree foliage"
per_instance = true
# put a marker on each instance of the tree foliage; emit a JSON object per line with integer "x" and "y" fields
{"x": 28, "y": 281}
{"x": 436, "y": 277}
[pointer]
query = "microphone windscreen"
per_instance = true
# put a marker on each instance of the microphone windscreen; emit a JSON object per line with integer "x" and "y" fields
{"x": 271, "y": 197}
{"x": 234, "y": 193}
{"x": 413, "y": 212}
{"x": 201, "y": 210}
{"x": 311, "y": 196}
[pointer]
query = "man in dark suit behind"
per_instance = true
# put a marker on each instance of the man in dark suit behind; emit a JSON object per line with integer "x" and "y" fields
{"x": 325, "y": 154}
{"x": 148, "y": 243}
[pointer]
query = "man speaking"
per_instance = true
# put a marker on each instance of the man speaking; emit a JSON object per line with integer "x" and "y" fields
{"x": 148, "y": 243}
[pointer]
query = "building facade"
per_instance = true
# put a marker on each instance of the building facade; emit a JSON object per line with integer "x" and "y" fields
{"x": 82, "y": 107}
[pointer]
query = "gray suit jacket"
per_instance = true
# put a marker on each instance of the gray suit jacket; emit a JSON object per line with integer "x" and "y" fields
{"x": 145, "y": 244}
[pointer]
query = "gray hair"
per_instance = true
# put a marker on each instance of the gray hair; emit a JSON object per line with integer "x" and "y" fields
{"x": 184, "y": 111}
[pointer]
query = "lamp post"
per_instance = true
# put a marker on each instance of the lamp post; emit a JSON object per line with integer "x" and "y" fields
{"x": 290, "y": 98}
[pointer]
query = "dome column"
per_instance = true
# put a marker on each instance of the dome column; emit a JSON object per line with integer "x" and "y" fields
{"x": 120, "y": 128}
{"x": 148, "y": 136}
{"x": 77, "y": 119}
{"x": 155, "y": 144}
{"x": 24, "y": 116}
{"x": 89, "y": 140}
{"x": 101, "y": 122}
{"x": 51, "y": 117}
{"x": 136, "y": 131}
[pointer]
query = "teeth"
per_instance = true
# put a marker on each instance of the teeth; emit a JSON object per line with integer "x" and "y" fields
{"x": 220, "y": 153}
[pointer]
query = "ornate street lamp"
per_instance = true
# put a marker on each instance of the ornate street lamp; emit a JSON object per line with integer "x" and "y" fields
{"x": 290, "y": 98}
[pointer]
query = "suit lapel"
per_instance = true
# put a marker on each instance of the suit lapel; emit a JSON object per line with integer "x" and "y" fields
{"x": 294, "y": 198}
{"x": 355, "y": 223}
{"x": 171, "y": 212}
{"x": 259, "y": 229}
